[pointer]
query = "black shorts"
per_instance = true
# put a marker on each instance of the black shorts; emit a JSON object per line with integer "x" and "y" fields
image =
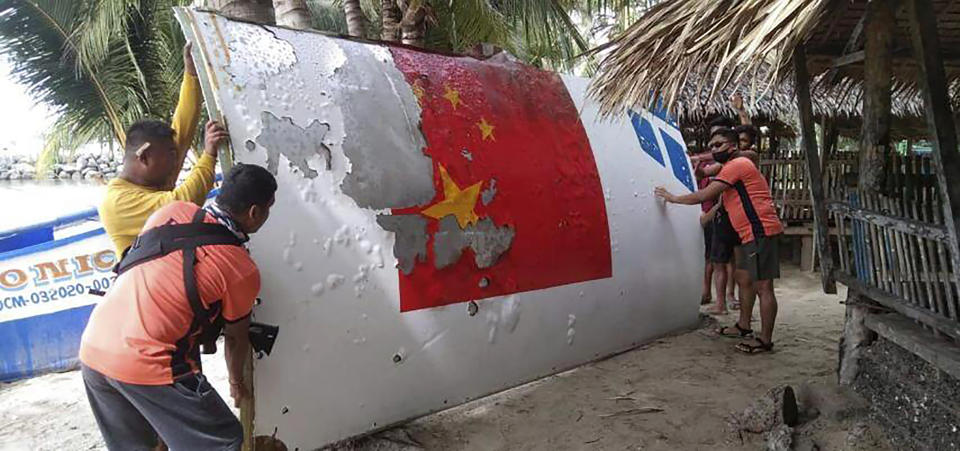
{"x": 725, "y": 238}
{"x": 761, "y": 258}
{"x": 707, "y": 239}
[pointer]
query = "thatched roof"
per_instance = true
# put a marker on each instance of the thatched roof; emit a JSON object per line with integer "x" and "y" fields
{"x": 748, "y": 45}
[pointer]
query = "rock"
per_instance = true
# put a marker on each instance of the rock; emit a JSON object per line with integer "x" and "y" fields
{"x": 779, "y": 439}
{"x": 778, "y": 406}
{"x": 104, "y": 167}
{"x": 77, "y": 176}
{"x": 93, "y": 175}
{"x": 64, "y": 175}
{"x": 25, "y": 168}
{"x": 14, "y": 175}
{"x": 4, "y": 175}
{"x": 81, "y": 162}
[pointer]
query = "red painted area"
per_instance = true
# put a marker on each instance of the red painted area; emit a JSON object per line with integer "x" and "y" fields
{"x": 548, "y": 188}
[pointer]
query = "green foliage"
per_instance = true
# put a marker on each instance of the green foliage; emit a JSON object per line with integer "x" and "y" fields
{"x": 103, "y": 64}
{"x": 100, "y": 64}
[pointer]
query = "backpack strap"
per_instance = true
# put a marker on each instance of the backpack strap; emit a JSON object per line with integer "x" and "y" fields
{"x": 162, "y": 240}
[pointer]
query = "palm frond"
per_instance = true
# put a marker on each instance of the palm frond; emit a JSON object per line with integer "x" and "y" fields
{"x": 100, "y": 64}
{"x": 652, "y": 58}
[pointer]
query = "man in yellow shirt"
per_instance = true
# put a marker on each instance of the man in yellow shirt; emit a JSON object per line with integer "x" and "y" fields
{"x": 153, "y": 156}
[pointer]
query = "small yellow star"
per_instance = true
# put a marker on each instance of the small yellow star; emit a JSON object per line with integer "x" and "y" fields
{"x": 452, "y": 95}
{"x": 457, "y": 202}
{"x": 486, "y": 129}
{"x": 418, "y": 91}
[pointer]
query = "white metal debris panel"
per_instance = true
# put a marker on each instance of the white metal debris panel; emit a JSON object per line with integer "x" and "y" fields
{"x": 445, "y": 227}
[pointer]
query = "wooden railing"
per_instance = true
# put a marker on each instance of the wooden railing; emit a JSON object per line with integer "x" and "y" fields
{"x": 789, "y": 185}
{"x": 895, "y": 249}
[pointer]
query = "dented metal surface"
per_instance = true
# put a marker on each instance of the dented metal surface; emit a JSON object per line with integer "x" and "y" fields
{"x": 351, "y": 227}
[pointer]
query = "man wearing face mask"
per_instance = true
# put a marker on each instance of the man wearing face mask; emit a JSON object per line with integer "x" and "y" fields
{"x": 746, "y": 197}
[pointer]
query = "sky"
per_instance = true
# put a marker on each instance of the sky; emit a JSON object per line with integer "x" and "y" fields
{"x": 23, "y": 119}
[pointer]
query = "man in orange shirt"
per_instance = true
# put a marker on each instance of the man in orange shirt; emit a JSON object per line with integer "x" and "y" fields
{"x": 747, "y": 199}
{"x": 185, "y": 276}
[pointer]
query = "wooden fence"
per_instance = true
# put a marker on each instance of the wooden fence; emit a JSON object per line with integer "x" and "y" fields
{"x": 894, "y": 247}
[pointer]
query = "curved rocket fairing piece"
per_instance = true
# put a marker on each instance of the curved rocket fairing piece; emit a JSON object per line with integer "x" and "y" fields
{"x": 445, "y": 227}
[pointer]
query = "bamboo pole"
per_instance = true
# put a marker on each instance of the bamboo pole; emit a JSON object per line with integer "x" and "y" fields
{"x": 813, "y": 167}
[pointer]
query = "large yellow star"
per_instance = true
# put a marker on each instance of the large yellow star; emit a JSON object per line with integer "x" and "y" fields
{"x": 486, "y": 129}
{"x": 457, "y": 202}
{"x": 452, "y": 95}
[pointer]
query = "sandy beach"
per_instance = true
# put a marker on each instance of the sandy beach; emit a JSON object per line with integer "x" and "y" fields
{"x": 678, "y": 392}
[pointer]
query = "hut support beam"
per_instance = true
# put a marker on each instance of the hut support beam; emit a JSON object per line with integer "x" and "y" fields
{"x": 809, "y": 140}
{"x": 878, "y": 79}
{"x": 933, "y": 84}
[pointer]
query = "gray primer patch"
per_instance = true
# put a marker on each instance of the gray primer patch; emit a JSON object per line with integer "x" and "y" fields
{"x": 487, "y": 195}
{"x": 448, "y": 243}
{"x": 487, "y": 241}
{"x": 282, "y": 136}
{"x": 383, "y": 140}
{"x": 411, "y": 241}
{"x": 466, "y": 154}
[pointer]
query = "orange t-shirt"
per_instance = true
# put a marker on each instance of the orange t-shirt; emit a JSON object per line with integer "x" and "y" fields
{"x": 749, "y": 202}
{"x": 142, "y": 322}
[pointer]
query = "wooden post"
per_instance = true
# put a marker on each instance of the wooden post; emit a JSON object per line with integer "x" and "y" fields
{"x": 933, "y": 83}
{"x": 877, "y": 75}
{"x": 809, "y": 141}
{"x": 247, "y": 412}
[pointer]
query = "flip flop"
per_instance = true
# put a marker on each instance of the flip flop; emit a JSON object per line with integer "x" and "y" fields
{"x": 740, "y": 332}
{"x": 750, "y": 348}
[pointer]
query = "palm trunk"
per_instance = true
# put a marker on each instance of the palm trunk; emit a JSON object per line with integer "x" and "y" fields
{"x": 293, "y": 13}
{"x": 258, "y": 11}
{"x": 413, "y": 28}
{"x": 390, "y": 29}
{"x": 356, "y": 21}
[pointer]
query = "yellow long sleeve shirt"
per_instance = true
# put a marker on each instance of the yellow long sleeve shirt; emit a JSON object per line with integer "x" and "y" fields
{"x": 126, "y": 206}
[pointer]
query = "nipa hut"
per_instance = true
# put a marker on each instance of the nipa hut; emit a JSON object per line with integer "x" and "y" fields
{"x": 891, "y": 235}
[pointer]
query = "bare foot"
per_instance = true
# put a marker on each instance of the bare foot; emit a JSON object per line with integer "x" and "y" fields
{"x": 716, "y": 310}
{"x": 734, "y": 303}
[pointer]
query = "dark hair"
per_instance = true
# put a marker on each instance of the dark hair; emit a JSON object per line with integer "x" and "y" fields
{"x": 726, "y": 133}
{"x": 244, "y": 186}
{"x": 750, "y": 130}
{"x": 146, "y": 131}
{"x": 721, "y": 121}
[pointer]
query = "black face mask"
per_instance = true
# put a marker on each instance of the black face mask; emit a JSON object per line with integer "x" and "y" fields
{"x": 722, "y": 157}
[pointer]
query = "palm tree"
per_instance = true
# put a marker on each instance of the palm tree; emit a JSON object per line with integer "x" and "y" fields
{"x": 356, "y": 20}
{"x": 293, "y": 13}
{"x": 103, "y": 64}
{"x": 100, "y": 65}
{"x": 259, "y": 11}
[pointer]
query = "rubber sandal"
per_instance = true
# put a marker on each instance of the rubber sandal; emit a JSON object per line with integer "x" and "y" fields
{"x": 749, "y": 348}
{"x": 741, "y": 332}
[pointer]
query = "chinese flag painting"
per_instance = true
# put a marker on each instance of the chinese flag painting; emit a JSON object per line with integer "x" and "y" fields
{"x": 519, "y": 205}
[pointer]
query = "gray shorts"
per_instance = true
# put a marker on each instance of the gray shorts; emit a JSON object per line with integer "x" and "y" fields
{"x": 187, "y": 415}
{"x": 760, "y": 258}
